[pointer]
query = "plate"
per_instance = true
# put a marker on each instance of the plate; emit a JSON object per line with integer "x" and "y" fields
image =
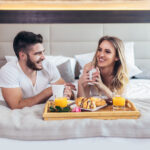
{"x": 70, "y": 102}
{"x": 97, "y": 108}
{"x": 72, "y": 105}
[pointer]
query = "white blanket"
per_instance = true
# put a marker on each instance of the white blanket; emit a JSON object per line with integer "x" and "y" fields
{"x": 28, "y": 124}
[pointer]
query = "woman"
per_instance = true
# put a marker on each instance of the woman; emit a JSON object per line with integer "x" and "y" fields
{"x": 111, "y": 74}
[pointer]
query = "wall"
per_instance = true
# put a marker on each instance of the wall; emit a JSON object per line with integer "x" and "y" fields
{"x": 71, "y": 39}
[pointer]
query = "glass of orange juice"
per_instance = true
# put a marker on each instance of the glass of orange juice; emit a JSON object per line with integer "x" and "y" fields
{"x": 61, "y": 101}
{"x": 118, "y": 102}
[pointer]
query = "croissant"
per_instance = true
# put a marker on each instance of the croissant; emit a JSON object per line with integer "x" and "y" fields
{"x": 90, "y": 103}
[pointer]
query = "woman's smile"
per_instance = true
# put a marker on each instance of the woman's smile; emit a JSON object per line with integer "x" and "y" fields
{"x": 101, "y": 60}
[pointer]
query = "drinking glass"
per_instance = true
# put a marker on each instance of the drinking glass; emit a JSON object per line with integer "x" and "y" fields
{"x": 118, "y": 102}
{"x": 61, "y": 101}
{"x": 58, "y": 92}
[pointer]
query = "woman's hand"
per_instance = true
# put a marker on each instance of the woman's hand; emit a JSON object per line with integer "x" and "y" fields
{"x": 87, "y": 67}
{"x": 83, "y": 87}
{"x": 84, "y": 78}
{"x": 96, "y": 79}
{"x": 100, "y": 85}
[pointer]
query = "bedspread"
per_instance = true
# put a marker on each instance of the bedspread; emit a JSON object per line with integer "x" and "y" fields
{"x": 28, "y": 124}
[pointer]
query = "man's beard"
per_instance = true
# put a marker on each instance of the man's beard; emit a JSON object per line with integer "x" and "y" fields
{"x": 31, "y": 64}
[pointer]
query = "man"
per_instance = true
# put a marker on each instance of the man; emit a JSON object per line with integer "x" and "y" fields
{"x": 27, "y": 81}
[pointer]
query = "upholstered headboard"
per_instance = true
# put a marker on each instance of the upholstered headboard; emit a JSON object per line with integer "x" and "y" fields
{"x": 70, "y": 39}
{"x": 75, "y": 32}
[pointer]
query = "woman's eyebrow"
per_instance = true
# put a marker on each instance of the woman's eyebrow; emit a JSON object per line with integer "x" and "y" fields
{"x": 108, "y": 49}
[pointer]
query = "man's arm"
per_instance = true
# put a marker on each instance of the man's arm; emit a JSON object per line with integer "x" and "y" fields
{"x": 13, "y": 96}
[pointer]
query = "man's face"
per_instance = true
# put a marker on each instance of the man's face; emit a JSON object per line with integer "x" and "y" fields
{"x": 35, "y": 56}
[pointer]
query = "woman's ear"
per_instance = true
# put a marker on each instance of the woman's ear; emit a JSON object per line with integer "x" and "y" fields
{"x": 116, "y": 59}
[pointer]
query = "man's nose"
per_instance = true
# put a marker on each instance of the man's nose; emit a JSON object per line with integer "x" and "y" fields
{"x": 43, "y": 56}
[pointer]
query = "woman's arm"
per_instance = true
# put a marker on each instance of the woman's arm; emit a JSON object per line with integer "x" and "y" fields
{"x": 100, "y": 85}
{"x": 105, "y": 90}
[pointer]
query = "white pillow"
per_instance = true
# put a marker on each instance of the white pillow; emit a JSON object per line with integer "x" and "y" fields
{"x": 83, "y": 59}
{"x": 11, "y": 58}
{"x": 144, "y": 65}
{"x": 130, "y": 59}
{"x": 58, "y": 60}
{"x": 65, "y": 71}
{"x": 129, "y": 52}
{"x": 133, "y": 70}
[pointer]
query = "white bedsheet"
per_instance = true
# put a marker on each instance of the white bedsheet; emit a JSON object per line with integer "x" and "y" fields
{"x": 103, "y": 143}
{"x": 137, "y": 89}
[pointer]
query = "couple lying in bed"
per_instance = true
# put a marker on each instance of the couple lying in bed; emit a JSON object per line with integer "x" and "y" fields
{"x": 27, "y": 81}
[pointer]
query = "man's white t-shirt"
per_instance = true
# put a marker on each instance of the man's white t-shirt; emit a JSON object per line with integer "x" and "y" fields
{"x": 12, "y": 76}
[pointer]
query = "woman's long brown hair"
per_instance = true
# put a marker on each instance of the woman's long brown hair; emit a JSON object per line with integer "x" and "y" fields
{"x": 120, "y": 69}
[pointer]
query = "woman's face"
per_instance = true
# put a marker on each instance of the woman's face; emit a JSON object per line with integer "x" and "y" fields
{"x": 106, "y": 55}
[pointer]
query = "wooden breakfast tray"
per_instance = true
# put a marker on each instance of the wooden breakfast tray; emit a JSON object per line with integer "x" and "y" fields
{"x": 107, "y": 113}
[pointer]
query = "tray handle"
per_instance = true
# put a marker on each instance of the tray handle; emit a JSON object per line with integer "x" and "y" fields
{"x": 130, "y": 105}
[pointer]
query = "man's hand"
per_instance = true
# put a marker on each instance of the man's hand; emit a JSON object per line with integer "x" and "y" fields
{"x": 68, "y": 90}
{"x": 72, "y": 86}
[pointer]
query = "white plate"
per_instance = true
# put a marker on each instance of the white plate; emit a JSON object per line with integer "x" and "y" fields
{"x": 97, "y": 108}
{"x": 70, "y": 102}
{"x": 72, "y": 105}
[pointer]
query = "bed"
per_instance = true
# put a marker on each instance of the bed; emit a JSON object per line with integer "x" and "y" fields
{"x": 133, "y": 138}
{"x": 66, "y": 34}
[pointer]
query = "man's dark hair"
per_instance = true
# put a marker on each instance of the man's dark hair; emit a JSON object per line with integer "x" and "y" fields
{"x": 25, "y": 39}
